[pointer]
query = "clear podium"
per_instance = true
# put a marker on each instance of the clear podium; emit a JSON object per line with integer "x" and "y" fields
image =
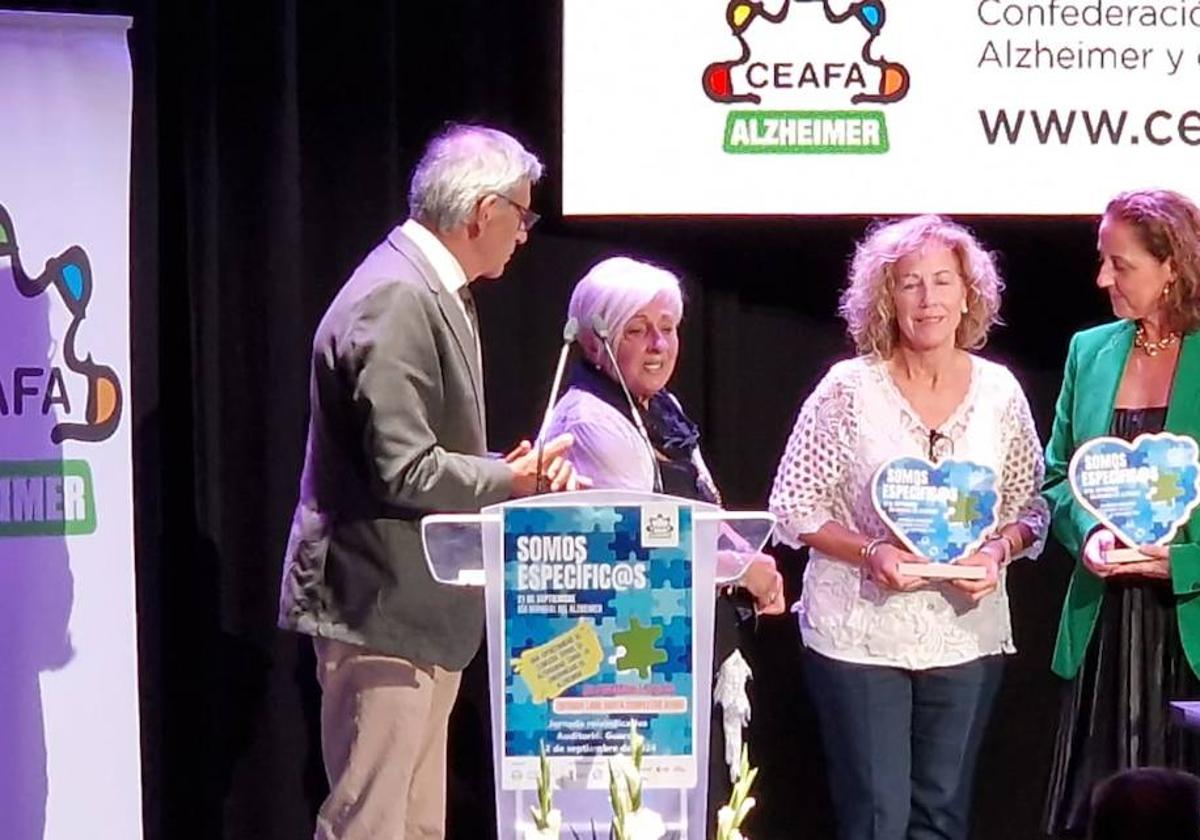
{"x": 599, "y": 617}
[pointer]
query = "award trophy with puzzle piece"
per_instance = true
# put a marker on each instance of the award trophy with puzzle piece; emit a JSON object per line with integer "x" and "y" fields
{"x": 1141, "y": 491}
{"x": 942, "y": 512}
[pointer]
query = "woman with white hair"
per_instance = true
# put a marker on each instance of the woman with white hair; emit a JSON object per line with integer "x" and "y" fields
{"x": 903, "y": 672}
{"x": 641, "y": 307}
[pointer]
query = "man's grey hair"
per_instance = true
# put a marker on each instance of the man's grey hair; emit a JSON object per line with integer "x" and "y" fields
{"x": 462, "y": 165}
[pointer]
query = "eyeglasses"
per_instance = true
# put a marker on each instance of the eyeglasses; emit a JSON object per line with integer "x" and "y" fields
{"x": 528, "y": 217}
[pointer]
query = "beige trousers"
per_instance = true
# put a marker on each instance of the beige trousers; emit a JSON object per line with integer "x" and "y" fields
{"x": 383, "y": 737}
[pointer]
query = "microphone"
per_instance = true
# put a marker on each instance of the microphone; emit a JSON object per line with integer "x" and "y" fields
{"x": 570, "y": 330}
{"x": 935, "y": 438}
{"x": 600, "y": 328}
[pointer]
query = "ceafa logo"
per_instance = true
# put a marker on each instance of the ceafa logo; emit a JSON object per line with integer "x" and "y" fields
{"x": 43, "y": 495}
{"x": 806, "y": 52}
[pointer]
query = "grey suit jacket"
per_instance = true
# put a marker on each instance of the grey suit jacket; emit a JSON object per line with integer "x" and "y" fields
{"x": 396, "y": 431}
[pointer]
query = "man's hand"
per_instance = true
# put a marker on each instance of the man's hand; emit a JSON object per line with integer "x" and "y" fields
{"x": 517, "y": 451}
{"x": 558, "y": 472}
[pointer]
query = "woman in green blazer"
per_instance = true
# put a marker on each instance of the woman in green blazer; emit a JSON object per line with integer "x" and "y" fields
{"x": 1129, "y": 636}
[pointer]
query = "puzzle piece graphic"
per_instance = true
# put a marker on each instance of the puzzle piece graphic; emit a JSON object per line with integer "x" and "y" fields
{"x": 626, "y": 544}
{"x": 526, "y": 722}
{"x": 524, "y": 743}
{"x": 676, "y": 573}
{"x": 671, "y": 734}
{"x": 677, "y": 642}
{"x": 1166, "y": 488}
{"x": 641, "y": 654}
{"x": 670, "y": 602}
{"x": 597, "y": 518}
{"x": 964, "y": 510}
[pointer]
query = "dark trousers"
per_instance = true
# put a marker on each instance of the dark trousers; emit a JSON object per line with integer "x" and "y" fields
{"x": 900, "y": 746}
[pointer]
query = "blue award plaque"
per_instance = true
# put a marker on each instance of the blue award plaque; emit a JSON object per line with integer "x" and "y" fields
{"x": 1141, "y": 491}
{"x": 943, "y": 511}
{"x": 598, "y": 632}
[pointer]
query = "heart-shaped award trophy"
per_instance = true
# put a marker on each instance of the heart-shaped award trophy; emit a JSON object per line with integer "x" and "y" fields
{"x": 943, "y": 512}
{"x": 1141, "y": 491}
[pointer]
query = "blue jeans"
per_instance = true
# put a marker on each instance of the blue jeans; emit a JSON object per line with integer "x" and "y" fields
{"x": 900, "y": 746}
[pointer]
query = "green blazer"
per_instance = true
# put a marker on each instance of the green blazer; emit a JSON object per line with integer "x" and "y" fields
{"x": 1095, "y": 363}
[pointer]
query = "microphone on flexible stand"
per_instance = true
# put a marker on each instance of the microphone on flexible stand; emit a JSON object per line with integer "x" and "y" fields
{"x": 570, "y": 330}
{"x": 600, "y": 328}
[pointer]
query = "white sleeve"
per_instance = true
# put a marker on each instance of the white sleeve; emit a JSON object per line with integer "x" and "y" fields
{"x": 1021, "y": 478}
{"x": 815, "y": 459}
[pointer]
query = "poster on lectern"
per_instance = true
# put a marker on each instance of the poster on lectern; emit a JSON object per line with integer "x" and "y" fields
{"x": 598, "y": 632}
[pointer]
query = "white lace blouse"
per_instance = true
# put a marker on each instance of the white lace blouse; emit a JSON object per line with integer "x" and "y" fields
{"x": 854, "y": 421}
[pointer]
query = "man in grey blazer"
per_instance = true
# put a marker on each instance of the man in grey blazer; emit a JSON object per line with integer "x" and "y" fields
{"x": 397, "y": 430}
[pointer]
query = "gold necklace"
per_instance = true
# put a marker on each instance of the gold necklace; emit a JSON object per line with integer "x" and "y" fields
{"x": 1152, "y": 348}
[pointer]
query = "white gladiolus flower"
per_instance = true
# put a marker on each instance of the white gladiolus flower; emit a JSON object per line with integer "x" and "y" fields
{"x": 644, "y": 824}
{"x": 724, "y": 821}
{"x": 731, "y": 816}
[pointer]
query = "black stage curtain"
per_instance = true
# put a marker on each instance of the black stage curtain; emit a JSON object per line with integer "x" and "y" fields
{"x": 272, "y": 143}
